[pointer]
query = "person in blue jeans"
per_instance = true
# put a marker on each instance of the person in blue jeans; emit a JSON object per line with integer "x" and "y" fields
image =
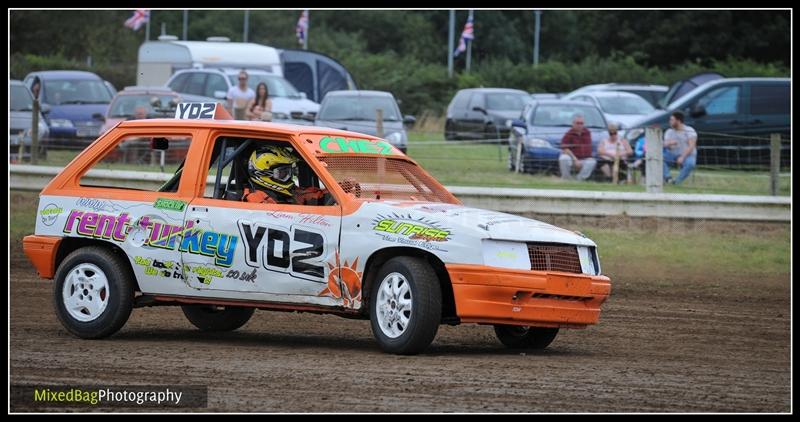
{"x": 680, "y": 148}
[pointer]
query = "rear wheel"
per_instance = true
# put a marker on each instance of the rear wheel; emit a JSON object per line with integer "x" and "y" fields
{"x": 517, "y": 337}
{"x": 405, "y": 306}
{"x": 214, "y": 318}
{"x": 93, "y": 292}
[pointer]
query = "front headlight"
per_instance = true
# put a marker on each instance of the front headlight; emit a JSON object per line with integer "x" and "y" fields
{"x": 505, "y": 254}
{"x": 61, "y": 123}
{"x": 395, "y": 138}
{"x": 279, "y": 115}
{"x": 590, "y": 264}
{"x": 537, "y": 143}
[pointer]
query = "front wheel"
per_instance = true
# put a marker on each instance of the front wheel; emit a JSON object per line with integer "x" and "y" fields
{"x": 93, "y": 292}
{"x": 213, "y": 318}
{"x": 405, "y": 306}
{"x": 517, "y": 337}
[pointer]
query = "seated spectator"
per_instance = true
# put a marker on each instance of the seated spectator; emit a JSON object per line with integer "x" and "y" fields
{"x": 576, "y": 151}
{"x": 611, "y": 148}
{"x": 680, "y": 148}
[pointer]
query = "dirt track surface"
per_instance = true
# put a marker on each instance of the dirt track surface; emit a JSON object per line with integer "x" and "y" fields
{"x": 661, "y": 346}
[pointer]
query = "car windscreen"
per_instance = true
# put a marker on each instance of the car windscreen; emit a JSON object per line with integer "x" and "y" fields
{"x": 358, "y": 108}
{"x": 507, "y": 101}
{"x": 76, "y": 91}
{"x": 21, "y": 99}
{"x": 276, "y": 86}
{"x": 562, "y": 115}
{"x": 374, "y": 177}
{"x": 625, "y": 105}
{"x": 127, "y": 105}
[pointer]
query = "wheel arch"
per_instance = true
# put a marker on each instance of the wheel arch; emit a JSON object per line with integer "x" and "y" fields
{"x": 381, "y": 256}
{"x": 71, "y": 244}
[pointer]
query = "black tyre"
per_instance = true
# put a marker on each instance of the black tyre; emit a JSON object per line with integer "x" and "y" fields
{"x": 211, "y": 318}
{"x": 405, "y": 305}
{"x": 93, "y": 292}
{"x": 517, "y": 337}
{"x": 449, "y": 134}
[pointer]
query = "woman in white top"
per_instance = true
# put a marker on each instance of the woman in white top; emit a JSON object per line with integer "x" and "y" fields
{"x": 610, "y": 148}
{"x": 260, "y": 107}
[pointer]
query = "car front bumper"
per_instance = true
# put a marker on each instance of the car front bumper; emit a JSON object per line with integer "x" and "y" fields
{"x": 490, "y": 295}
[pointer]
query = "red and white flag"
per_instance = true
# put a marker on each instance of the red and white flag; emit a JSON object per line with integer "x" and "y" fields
{"x": 467, "y": 34}
{"x": 302, "y": 27}
{"x": 139, "y": 18}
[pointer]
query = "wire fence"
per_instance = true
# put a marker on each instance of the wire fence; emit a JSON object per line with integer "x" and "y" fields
{"x": 503, "y": 158}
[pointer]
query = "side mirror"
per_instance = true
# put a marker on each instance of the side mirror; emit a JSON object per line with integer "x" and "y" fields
{"x": 518, "y": 123}
{"x": 303, "y": 95}
{"x": 44, "y": 108}
{"x": 481, "y": 109}
{"x": 519, "y": 126}
{"x": 409, "y": 120}
{"x": 98, "y": 116}
{"x": 698, "y": 111}
{"x": 220, "y": 95}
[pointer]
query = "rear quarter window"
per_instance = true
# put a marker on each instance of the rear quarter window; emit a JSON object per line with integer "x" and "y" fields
{"x": 769, "y": 99}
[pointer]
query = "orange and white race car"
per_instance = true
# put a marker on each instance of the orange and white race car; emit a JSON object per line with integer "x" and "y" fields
{"x": 298, "y": 218}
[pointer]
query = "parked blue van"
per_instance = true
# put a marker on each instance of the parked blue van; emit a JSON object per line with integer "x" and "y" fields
{"x": 73, "y": 103}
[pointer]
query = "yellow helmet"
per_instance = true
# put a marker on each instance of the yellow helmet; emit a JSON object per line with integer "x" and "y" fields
{"x": 271, "y": 167}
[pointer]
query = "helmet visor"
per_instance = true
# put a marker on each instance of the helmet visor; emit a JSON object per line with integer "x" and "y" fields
{"x": 281, "y": 173}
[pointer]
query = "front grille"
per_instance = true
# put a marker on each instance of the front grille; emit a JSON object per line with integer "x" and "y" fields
{"x": 550, "y": 257}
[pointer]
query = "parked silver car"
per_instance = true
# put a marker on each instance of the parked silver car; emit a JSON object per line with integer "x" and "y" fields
{"x": 622, "y": 108}
{"x": 357, "y": 111}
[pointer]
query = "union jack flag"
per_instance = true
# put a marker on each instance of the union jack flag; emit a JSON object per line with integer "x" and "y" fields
{"x": 302, "y": 27}
{"x": 466, "y": 34}
{"x": 139, "y": 18}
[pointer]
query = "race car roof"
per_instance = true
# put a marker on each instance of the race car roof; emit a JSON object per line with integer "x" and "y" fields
{"x": 314, "y": 135}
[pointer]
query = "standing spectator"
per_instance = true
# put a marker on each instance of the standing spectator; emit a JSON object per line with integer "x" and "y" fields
{"x": 680, "y": 147}
{"x": 239, "y": 96}
{"x": 576, "y": 151}
{"x": 260, "y": 108}
{"x": 611, "y": 148}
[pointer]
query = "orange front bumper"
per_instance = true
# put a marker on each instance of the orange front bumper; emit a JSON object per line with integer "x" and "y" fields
{"x": 492, "y": 295}
{"x": 41, "y": 250}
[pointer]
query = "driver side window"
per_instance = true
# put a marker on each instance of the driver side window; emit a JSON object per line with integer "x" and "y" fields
{"x": 262, "y": 171}
{"x": 723, "y": 100}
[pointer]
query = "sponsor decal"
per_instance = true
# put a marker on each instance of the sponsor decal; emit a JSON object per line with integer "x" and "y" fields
{"x": 93, "y": 204}
{"x": 344, "y": 282}
{"x": 169, "y": 204}
{"x": 337, "y": 145}
{"x": 249, "y": 277}
{"x": 412, "y": 228}
{"x": 50, "y": 213}
{"x": 150, "y": 231}
{"x": 156, "y": 268}
{"x": 297, "y": 252}
{"x": 204, "y": 274}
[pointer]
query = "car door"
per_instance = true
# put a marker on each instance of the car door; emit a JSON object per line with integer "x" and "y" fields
{"x": 474, "y": 120}
{"x": 458, "y": 114}
{"x": 257, "y": 251}
{"x": 717, "y": 114}
{"x": 769, "y": 113}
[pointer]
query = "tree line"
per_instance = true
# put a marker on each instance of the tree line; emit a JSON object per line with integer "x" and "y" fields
{"x": 406, "y": 51}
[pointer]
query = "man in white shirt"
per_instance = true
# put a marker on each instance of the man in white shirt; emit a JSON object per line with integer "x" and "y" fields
{"x": 239, "y": 96}
{"x": 680, "y": 147}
